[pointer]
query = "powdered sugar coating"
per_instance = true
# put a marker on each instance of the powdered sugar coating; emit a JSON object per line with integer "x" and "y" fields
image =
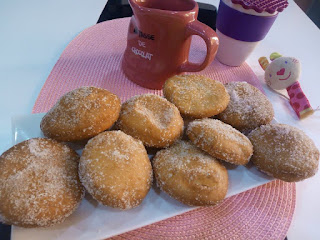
{"x": 196, "y": 96}
{"x": 151, "y": 119}
{"x": 39, "y": 183}
{"x": 190, "y": 175}
{"x": 80, "y": 114}
{"x": 284, "y": 152}
{"x": 220, "y": 140}
{"x": 115, "y": 170}
{"x": 248, "y": 107}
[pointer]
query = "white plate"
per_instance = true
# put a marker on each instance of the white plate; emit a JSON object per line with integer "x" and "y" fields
{"x": 94, "y": 221}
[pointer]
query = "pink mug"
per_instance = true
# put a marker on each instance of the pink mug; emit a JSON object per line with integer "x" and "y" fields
{"x": 159, "y": 39}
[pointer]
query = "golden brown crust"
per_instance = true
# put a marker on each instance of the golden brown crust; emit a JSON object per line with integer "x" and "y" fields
{"x": 220, "y": 140}
{"x": 196, "y": 96}
{"x": 284, "y": 152}
{"x": 151, "y": 119}
{"x": 115, "y": 170}
{"x": 190, "y": 175}
{"x": 81, "y": 114}
{"x": 248, "y": 107}
{"x": 39, "y": 183}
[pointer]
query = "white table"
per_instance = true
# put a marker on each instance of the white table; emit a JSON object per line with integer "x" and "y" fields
{"x": 33, "y": 34}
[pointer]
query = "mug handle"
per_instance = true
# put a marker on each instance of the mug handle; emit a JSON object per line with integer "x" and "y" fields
{"x": 212, "y": 41}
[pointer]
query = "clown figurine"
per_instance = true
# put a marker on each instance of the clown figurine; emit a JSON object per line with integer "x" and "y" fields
{"x": 284, "y": 73}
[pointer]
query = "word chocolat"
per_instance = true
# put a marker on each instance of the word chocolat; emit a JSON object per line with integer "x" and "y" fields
{"x": 141, "y": 53}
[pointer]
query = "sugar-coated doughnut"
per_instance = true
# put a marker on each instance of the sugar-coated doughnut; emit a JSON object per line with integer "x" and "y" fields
{"x": 248, "y": 107}
{"x": 81, "y": 114}
{"x": 190, "y": 175}
{"x": 151, "y": 119}
{"x": 39, "y": 183}
{"x": 220, "y": 140}
{"x": 284, "y": 152}
{"x": 196, "y": 96}
{"x": 115, "y": 170}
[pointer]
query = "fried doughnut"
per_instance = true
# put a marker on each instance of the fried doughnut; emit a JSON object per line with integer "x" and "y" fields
{"x": 284, "y": 152}
{"x": 248, "y": 107}
{"x": 39, "y": 183}
{"x": 115, "y": 170}
{"x": 151, "y": 119}
{"x": 190, "y": 175}
{"x": 81, "y": 114}
{"x": 196, "y": 96}
{"x": 220, "y": 140}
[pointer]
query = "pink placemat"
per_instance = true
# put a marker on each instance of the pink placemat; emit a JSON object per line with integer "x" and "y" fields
{"x": 93, "y": 59}
{"x": 261, "y": 213}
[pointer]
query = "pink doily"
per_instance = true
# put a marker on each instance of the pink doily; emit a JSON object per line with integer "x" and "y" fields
{"x": 93, "y": 58}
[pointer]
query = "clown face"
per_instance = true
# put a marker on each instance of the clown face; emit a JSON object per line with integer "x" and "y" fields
{"x": 282, "y": 72}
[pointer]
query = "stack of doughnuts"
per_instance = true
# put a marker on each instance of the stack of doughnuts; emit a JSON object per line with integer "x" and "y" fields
{"x": 196, "y": 129}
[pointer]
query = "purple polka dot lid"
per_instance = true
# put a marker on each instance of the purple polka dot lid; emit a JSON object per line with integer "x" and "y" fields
{"x": 270, "y": 6}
